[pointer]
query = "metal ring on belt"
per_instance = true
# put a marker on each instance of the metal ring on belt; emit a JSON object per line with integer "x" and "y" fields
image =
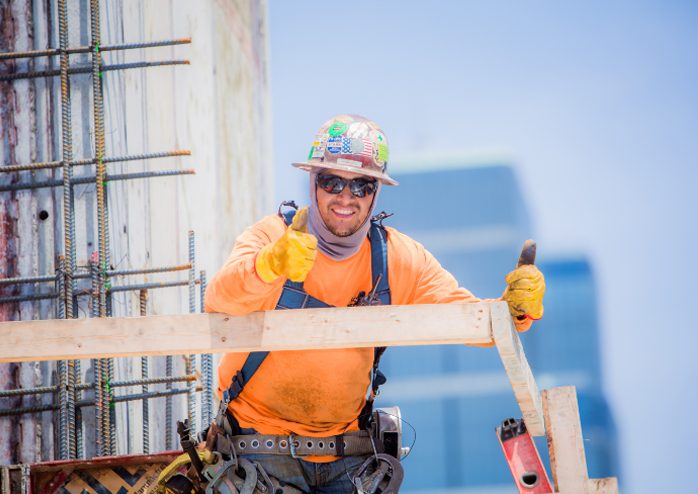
{"x": 348, "y": 444}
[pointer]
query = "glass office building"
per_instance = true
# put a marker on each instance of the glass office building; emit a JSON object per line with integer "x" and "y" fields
{"x": 474, "y": 220}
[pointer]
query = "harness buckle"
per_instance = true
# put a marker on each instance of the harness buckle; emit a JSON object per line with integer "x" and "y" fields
{"x": 236, "y": 385}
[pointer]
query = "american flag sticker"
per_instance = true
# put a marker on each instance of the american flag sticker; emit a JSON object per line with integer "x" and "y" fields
{"x": 363, "y": 147}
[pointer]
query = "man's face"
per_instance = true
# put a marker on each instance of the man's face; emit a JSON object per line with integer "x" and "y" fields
{"x": 343, "y": 213}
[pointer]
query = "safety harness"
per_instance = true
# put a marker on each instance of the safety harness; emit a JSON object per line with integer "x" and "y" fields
{"x": 294, "y": 296}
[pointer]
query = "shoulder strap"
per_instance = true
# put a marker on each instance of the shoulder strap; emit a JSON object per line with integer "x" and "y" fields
{"x": 379, "y": 262}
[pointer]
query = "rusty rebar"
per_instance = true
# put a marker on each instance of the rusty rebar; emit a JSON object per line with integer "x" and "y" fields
{"x": 67, "y": 144}
{"x": 31, "y": 297}
{"x": 92, "y": 179}
{"x": 89, "y": 403}
{"x": 7, "y": 412}
{"x": 67, "y": 415}
{"x": 138, "y": 396}
{"x": 110, "y": 290}
{"x": 149, "y": 286}
{"x": 143, "y": 305}
{"x": 98, "y": 122}
{"x": 97, "y": 366}
{"x": 62, "y": 412}
{"x": 191, "y": 361}
{"x": 91, "y": 161}
{"x": 77, "y": 276}
{"x": 140, "y": 382}
{"x": 8, "y": 393}
{"x": 60, "y": 287}
{"x": 86, "y": 49}
{"x": 86, "y": 70}
{"x": 206, "y": 365}
{"x": 168, "y": 405}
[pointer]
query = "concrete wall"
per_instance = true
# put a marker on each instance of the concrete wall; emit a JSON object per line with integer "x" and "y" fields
{"x": 218, "y": 107}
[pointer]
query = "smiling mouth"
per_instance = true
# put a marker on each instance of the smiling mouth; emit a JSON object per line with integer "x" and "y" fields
{"x": 343, "y": 213}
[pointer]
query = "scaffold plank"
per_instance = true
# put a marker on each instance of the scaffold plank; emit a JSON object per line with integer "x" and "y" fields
{"x": 344, "y": 327}
{"x": 565, "y": 442}
{"x": 520, "y": 375}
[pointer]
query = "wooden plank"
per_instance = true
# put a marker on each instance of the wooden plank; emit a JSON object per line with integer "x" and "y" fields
{"x": 520, "y": 375}
{"x": 565, "y": 443}
{"x": 608, "y": 485}
{"x": 344, "y": 327}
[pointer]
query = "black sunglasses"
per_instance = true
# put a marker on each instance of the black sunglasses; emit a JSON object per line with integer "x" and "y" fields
{"x": 332, "y": 184}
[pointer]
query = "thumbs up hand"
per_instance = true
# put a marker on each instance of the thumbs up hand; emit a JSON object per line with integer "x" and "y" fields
{"x": 525, "y": 286}
{"x": 292, "y": 256}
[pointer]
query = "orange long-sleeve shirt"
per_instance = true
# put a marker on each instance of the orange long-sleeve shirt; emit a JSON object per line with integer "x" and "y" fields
{"x": 316, "y": 392}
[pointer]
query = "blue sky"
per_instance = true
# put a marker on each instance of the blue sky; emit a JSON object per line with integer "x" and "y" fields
{"x": 594, "y": 103}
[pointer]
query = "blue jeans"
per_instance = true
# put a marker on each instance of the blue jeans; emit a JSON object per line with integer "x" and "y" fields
{"x": 310, "y": 477}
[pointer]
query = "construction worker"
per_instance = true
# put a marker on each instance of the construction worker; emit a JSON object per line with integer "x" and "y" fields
{"x": 328, "y": 254}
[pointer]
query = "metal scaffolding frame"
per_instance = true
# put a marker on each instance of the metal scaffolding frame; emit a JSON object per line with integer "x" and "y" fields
{"x": 69, "y": 404}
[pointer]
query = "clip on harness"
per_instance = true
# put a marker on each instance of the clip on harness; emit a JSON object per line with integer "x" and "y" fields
{"x": 294, "y": 296}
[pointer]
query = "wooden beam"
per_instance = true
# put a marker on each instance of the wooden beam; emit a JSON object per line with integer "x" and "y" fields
{"x": 608, "y": 485}
{"x": 520, "y": 375}
{"x": 345, "y": 327}
{"x": 565, "y": 443}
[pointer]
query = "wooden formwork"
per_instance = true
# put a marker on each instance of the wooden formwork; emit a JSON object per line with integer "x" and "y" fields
{"x": 553, "y": 413}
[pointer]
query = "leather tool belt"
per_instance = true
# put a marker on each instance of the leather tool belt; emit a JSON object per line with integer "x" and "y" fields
{"x": 348, "y": 444}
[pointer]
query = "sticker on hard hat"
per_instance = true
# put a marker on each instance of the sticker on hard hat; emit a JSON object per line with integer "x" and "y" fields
{"x": 334, "y": 145}
{"x": 318, "y": 149}
{"x": 364, "y": 147}
{"x": 357, "y": 146}
{"x": 382, "y": 152}
{"x": 346, "y": 162}
{"x": 357, "y": 129}
{"x": 346, "y": 145}
{"x": 318, "y": 152}
{"x": 337, "y": 129}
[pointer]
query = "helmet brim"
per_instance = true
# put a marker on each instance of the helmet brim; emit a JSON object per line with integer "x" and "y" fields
{"x": 310, "y": 167}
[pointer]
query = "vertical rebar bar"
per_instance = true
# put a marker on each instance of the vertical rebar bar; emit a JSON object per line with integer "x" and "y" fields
{"x": 168, "y": 405}
{"x": 62, "y": 416}
{"x": 144, "y": 375}
{"x": 60, "y": 287}
{"x": 68, "y": 403}
{"x": 62, "y": 412}
{"x": 97, "y": 364}
{"x": 98, "y": 120}
{"x": 206, "y": 365}
{"x": 191, "y": 362}
{"x": 78, "y": 413}
{"x": 78, "y": 425}
{"x": 70, "y": 406}
{"x": 102, "y": 213}
{"x": 67, "y": 155}
{"x": 111, "y": 415}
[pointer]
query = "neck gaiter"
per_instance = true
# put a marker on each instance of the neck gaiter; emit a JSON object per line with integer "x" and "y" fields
{"x": 337, "y": 248}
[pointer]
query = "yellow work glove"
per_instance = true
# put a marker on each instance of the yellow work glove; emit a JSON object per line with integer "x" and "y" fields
{"x": 292, "y": 256}
{"x": 524, "y": 292}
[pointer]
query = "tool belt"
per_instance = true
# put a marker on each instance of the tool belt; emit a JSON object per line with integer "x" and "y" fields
{"x": 348, "y": 444}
